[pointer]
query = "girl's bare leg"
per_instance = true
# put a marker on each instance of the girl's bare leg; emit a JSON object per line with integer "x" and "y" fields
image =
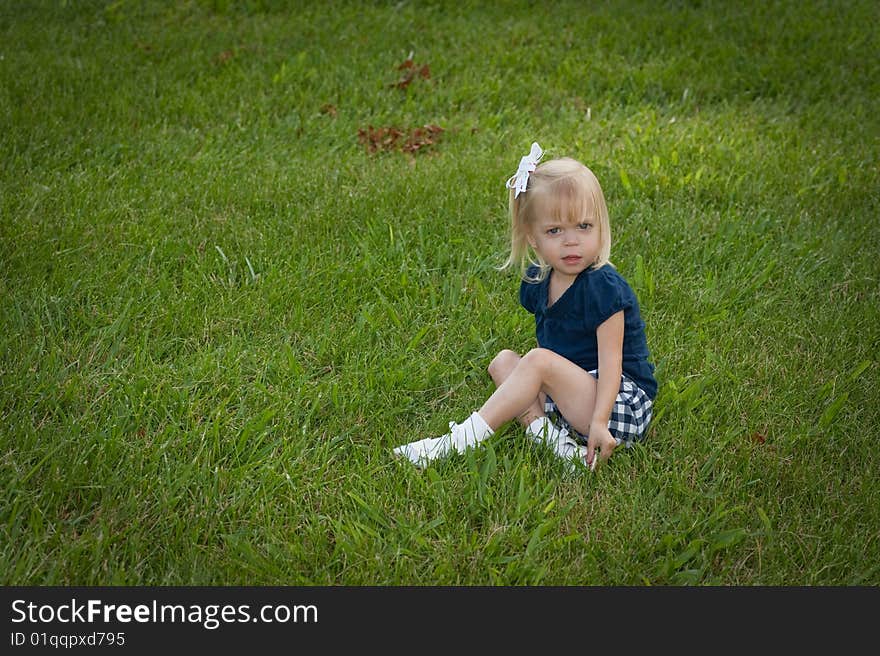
{"x": 523, "y": 383}
{"x": 500, "y": 369}
{"x": 540, "y": 371}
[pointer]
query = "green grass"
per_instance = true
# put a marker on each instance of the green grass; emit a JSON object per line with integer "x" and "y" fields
{"x": 219, "y": 312}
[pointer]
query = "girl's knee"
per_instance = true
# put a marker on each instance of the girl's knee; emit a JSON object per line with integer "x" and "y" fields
{"x": 539, "y": 358}
{"x": 503, "y": 363}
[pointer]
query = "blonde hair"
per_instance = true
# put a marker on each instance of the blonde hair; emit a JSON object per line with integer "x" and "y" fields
{"x": 566, "y": 191}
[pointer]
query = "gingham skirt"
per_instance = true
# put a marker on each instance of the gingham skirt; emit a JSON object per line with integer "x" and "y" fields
{"x": 629, "y": 418}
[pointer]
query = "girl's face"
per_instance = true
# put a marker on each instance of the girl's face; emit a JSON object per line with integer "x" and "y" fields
{"x": 568, "y": 248}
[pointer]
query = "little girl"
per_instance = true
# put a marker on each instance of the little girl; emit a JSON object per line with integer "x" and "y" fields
{"x": 590, "y": 384}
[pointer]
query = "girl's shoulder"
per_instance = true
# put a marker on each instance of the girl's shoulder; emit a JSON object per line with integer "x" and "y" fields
{"x": 605, "y": 292}
{"x": 530, "y": 289}
{"x": 605, "y": 277}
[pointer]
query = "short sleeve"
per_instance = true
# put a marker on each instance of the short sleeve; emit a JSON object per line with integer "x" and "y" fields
{"x": 527, "y": 297}
{"x": 528, "y": 292}
{"x": 609, "y": 294}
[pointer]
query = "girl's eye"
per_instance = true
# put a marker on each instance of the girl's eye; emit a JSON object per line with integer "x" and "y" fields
{"x": 585, "y": 226}
{"x": 553, "y": 231}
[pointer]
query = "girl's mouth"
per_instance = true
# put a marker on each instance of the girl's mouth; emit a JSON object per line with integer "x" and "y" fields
{"x": 571, "y": 259}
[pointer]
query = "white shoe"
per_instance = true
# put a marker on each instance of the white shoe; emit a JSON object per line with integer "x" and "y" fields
{"x": 469, "y": 433}
{"x": 543, "y": 431}
{"x": 422, "y": 452}
{"x": 566, "y": 448}
{"x": 559, "y": 441}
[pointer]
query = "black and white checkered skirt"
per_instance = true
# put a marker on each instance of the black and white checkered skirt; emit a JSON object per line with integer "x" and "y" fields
{"x": 629, "y": 418}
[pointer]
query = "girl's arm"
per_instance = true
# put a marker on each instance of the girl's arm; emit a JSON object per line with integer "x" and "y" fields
{"x": 609, "y": 336}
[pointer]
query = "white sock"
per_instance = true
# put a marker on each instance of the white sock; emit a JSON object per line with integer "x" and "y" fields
{"x": 559, "y": 440}
{"x": 471, "y": 431}
{"x": 542, "y": 429}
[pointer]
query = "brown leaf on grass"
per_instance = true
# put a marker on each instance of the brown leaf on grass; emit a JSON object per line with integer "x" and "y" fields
{"x": 379, "y": 139}
{"x": 329, "y": 110}
{"x": 385, "y": 139}
{"x": 421, "y": 138}
{"x": 224, "y": 57}
{"x": 758, "y": 438}
{"x": 404, "y": 82}
{"x": 412, "y": 70}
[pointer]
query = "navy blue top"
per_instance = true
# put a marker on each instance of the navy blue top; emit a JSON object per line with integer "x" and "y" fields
{"x": 568, "y": 327}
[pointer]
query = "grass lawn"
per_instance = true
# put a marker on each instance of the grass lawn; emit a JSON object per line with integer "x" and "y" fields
{"x": 226, "y": 293}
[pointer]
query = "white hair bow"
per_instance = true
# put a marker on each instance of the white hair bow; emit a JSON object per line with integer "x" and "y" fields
{"x": 527, "y": 164}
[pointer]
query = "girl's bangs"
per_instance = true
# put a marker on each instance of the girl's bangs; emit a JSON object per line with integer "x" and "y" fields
{"x": 566, "y": 200}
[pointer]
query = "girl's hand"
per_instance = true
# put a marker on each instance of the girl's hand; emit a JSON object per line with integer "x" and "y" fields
{"x": 602, "y": 440}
